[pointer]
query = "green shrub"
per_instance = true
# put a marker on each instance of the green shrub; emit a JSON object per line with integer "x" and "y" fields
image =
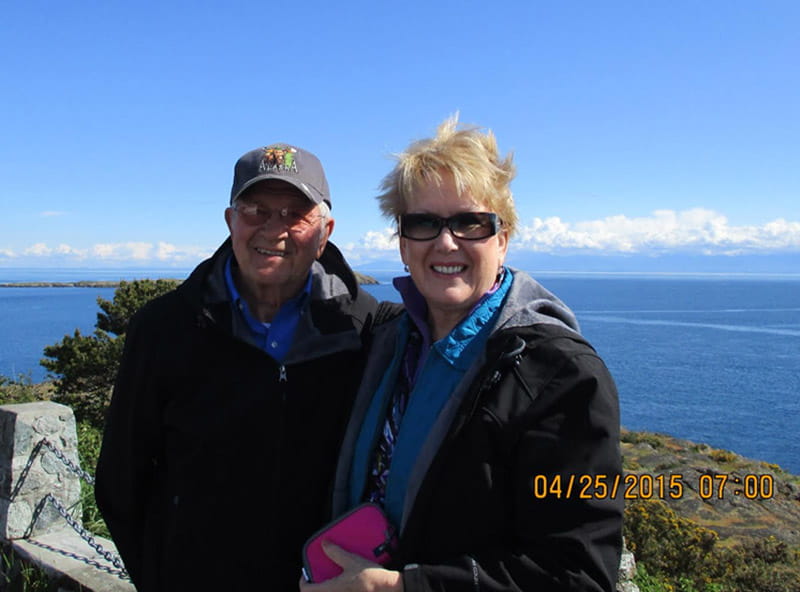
{"x": 19, "y": 576}
{"x": 654, "y": 440}
{"x": 650, "y": 583}
{"x": 89, "y": 439}
{"x": 18, "y": 389}
{"x": 674, "y": 554}
{"x": 766, "y": 565}
{"x": 775, "y": 468}
{"x": 85, "y": 366}
{"x": 630, "y": 465}
{"x": 663, "y": 467}
{"x": 672, "y": 547}
{"x": 723, "y": 456}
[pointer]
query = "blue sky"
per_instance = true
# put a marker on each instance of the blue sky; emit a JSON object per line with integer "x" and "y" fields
{"x": 638, "y": 128}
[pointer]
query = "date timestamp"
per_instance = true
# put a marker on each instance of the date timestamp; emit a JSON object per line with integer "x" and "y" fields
{"x": 634, "y": 486}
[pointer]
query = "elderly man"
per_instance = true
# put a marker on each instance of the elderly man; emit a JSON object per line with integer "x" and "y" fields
{"x": 233, "y": 392}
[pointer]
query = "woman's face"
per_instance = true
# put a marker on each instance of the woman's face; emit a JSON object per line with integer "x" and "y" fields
{"x": 451, "y": 273}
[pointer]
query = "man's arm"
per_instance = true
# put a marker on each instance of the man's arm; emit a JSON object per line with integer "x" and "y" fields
{"x": 127, "y": 458}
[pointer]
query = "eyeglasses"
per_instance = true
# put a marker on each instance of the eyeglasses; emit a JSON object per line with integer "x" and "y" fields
{"x": 466, "y": 225}
{"x": 256, "y": 215}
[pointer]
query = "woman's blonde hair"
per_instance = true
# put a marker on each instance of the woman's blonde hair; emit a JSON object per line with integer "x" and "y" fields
{"x": 469, "y": 155}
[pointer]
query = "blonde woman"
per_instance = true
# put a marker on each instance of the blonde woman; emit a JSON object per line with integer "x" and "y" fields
{"x": 483, "y": 391}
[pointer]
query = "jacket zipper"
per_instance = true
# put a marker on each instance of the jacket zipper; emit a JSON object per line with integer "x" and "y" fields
{"x": 491, "y": 377}
{"x": 281, "y": 386}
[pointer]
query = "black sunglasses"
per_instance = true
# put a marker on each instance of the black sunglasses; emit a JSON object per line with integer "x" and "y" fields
{"x": 466, "y": 225}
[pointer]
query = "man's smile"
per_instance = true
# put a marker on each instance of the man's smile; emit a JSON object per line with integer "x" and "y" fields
{"x": 270, "y": 252}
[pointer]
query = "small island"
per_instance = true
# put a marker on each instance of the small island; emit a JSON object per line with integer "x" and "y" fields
{"x": 362, "y": 279}
{"x": 78, "y": 284}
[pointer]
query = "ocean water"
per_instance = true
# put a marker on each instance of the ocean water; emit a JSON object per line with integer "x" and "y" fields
{"x": 714, "y": 361}
{"x": 76, "y": 274}
{"x": 710, "y": 359}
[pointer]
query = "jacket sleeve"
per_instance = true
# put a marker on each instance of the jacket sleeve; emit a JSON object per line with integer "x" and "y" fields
{"x": 558, "y": 422}
{"x": 128, "y": 457}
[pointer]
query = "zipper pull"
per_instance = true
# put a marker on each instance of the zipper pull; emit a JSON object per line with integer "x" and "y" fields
{"x": 282, "y": 375}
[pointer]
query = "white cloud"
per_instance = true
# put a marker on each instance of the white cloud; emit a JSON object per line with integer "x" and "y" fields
{"x": 165, "y": 251}
{"x": 170, "y": 252}
{"x": 63, "y": 249}
{"x": 38, "y": 250}
{"x": 135, "y": 251}
{"x": 52, "y": 214}
{"x": 697, "y": 230}
{"x": 374, "y": 244}
{"x": 383, "y": 240}
{"x": 138, "y": 253}
{"x": 694, "y": 231}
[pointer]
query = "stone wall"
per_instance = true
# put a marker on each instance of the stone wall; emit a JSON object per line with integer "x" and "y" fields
{"x": 29, "y": 471}
{"x": 38, "y": 465}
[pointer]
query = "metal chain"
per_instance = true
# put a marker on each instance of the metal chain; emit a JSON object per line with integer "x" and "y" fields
{"x": 25, "y": 470}
{"x": 87, "y": 536}
{"x": 78, "y": 528}
{"x": 70, "y": 465}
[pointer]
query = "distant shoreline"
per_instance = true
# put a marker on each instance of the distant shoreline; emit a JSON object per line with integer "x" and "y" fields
{"x": 362, "y": 279}
{"x": 79, "y": 284}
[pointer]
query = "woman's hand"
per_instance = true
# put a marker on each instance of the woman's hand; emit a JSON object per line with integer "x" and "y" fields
{"x": 359, "y": 575}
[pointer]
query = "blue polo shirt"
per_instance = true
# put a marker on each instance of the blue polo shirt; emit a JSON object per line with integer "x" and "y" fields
{"x": 274, "y": 337}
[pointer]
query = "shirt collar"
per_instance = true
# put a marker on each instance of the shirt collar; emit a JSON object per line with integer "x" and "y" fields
{"x": 241, "y": 305}
{"x": 417, "y": 309}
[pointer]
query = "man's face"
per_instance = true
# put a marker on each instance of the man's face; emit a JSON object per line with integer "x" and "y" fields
{"x": 275, "y": 254}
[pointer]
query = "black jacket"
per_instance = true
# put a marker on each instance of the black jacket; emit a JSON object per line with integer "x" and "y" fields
{"x": 216, "y": 460}
{"x": 538, "y": 409}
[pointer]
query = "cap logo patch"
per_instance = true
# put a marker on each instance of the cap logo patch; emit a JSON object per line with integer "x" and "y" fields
{"x": 278, "y": 159}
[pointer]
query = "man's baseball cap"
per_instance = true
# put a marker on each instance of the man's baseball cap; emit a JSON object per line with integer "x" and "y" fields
{"x": 284, "y": 162}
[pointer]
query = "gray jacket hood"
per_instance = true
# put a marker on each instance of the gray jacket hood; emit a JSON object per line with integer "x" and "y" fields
{"x": 332, "y": 319}
{"x": 530, "y": 303}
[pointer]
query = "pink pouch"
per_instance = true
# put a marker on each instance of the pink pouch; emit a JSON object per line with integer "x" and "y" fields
{"x": 364, "y": 530}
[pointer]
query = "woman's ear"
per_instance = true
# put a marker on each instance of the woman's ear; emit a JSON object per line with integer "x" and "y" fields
{"x": 502, "y": 245}
{"x": 403, "y": 246}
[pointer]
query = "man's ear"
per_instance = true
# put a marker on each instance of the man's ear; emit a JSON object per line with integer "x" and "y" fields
{"x": 325, "y": 234}
{"x": 229, "y": 217}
